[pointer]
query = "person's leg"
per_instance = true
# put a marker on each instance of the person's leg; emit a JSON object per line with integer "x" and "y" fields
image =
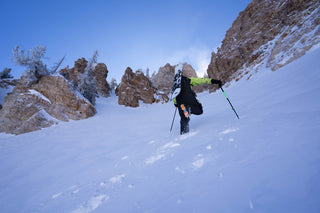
{"x": 196, "y": 109}
{"x": 184, "y": 122}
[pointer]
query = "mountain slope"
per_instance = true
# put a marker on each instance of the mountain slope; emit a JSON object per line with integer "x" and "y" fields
{"x": 125, "y": 160}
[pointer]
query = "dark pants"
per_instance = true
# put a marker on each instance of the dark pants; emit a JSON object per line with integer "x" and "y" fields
{"x": 184, "y": 122}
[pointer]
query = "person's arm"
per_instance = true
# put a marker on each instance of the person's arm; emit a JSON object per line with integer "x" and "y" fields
{"x": 198, "y": 81}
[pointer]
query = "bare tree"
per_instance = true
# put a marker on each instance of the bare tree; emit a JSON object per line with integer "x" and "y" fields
{"x": 113, "y": 84}
{"x": 57, "y": 65}
{"x": 88, "y": 83}
{"x": 147, "y": 73}
{"x": 32, "y": 59}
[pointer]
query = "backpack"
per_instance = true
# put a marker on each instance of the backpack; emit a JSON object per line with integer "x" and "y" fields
{"x": 187, "y": 95}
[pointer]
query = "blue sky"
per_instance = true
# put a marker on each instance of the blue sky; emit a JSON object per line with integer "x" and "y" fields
{"x": 136, "y": 33}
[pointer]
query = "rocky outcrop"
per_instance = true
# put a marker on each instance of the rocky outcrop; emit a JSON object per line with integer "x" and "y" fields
{"x": 135, "y": 87}
{"x": 41, "y": 105}
{"x": 101, "y": 74}
{"x": 163, "y": 79}
{"x": 188, "y": 71}
{"x": 266, "y": 33}
{"x": 75, "y": 76}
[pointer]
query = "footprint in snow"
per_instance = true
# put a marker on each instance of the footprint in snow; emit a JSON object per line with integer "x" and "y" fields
{"x": 125, "y": 157}
{"x": 95, "y": 201}
{"x": 186, "y": 136}
{"x": 199, "y": 162}
{"x": 56, "y": 195}
{"x": 71, "y": 190}
{"x": 92, "y": 204}
{"x": 154, "y": 158}
{"x": 161, "y": 152}
{"x": 152, "y": 142}
{"x": 114, "y": 180}
{"x": 229, "y": 130}
{"x": 168, "y": 146}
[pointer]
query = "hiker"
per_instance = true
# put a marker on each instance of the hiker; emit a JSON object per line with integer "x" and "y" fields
{"x": 186, "y": 101}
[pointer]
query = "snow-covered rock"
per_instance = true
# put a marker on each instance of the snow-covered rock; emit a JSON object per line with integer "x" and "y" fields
{"x": 41, "y": 105}
{"x": 267, "y": 33}
{"x": 75, "y": 75}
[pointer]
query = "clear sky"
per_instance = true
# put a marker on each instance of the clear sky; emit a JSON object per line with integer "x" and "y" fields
{"x": 134, "y": 33}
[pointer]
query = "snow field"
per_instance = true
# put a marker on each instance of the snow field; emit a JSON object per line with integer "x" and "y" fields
{"x": 125, "y": 160}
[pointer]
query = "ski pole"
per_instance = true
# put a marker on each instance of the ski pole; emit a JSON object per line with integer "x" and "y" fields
{"x": 229, "y": 102}
{"x": 173, "y": 118}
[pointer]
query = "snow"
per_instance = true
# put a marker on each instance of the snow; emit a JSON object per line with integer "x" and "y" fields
{"x": 39, "y": 95}
{"x": 126, "y": 160}
{"x": 117, "y": 179}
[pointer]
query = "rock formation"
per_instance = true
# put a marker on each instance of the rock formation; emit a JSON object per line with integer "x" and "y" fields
{"x": 163, "y": 79}
{"x": 188, "y": 71}
{"x": 41, "y": 105}
{"x": 267, "y": 33}
{"x": 135, "y": 87}
{"x": 101, "y": 74}
{"x": 75, "y": 75}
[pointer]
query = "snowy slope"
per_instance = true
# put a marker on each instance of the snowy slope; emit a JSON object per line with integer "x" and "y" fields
{"x": 125, "y": 159}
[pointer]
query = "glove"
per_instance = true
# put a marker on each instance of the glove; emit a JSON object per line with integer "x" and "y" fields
{"x": 213, "y": 81}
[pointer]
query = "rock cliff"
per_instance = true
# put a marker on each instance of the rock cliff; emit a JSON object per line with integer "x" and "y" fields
{"x": 267, "y": 33}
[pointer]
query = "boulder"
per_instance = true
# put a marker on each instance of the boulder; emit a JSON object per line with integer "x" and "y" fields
{"x": 41, "y": 105}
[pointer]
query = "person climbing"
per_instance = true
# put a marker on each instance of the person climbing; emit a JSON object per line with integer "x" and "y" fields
{"x": 187, "y": 102}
